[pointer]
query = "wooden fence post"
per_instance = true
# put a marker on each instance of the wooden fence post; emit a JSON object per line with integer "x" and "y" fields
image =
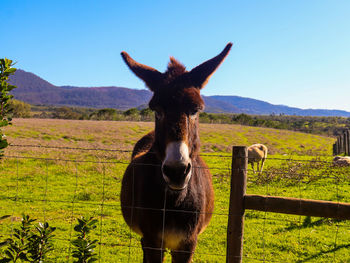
{"x": 338, "y": 145}
{"x": 235, "y": 226}
{"x": 341, "y": 139}
{"x": 348, "y": 142}
{"x": 346, "y": 150}
{"x": 344, "y": 142}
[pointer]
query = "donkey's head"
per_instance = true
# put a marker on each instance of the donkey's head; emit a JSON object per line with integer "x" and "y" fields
{"x": 176, "y": 101}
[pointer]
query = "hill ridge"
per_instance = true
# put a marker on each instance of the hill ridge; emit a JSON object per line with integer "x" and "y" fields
{"x": 35, "y": 90}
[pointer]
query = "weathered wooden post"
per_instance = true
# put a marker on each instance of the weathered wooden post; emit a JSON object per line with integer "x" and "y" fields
{"x": 338, "y": 144}
{"x": 235, "y": 226}
{"x": 346, "y": 149}
{"x": 348, "y": 142}
{"x": 344, "y": 141}
{"x": 335, "y": 148}
{"x": 341, "y": 142}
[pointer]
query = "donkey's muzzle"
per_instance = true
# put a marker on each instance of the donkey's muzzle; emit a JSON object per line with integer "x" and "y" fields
{"x": 177, "y": 175}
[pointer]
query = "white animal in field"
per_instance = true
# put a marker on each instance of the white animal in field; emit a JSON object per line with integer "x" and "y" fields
{"x": 257, "y": 153}
{"x": 341, "y": 160}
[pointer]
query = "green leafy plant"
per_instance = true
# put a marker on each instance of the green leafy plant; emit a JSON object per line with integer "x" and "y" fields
{"x": 28, "y": 243}
{"x": 84, "y": 246}
{"x": 19, "y": 244}
{"x": 6, "y": 70}
{"x": 41, "y": 242}
{"x": 33, "y": 243}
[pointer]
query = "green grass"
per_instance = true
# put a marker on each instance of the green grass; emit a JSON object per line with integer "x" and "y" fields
{"x": 88, "y": 183}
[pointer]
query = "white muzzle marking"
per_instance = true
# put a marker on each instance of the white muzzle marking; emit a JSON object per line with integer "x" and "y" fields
{"x": 177, "y": 153}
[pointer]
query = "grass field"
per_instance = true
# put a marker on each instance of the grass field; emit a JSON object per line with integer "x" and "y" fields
{"x": 59, "y": 185}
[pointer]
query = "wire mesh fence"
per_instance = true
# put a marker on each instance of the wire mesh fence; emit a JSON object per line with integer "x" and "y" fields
{"x": 61, "y": 188}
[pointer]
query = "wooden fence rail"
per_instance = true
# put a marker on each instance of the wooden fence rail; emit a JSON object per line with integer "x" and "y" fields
{"x": 342, "y": 145}
{"x": 239, "y": 201}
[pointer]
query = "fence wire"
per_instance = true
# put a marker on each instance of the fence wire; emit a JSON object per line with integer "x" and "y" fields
{"x": 104, "y": 204}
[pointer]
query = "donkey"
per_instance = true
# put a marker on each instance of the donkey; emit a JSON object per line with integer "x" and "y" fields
{"x": 167, "y": 195}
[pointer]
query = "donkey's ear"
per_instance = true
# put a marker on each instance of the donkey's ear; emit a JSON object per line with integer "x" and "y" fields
{"x": 149, "y": 75}
{"x": 200, "y": 75}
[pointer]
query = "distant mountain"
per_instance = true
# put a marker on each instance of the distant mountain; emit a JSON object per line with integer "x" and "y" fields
{"x": 218, "y": 106}
{"x": 35, "y": 90}
{"x": 259, "y": 107}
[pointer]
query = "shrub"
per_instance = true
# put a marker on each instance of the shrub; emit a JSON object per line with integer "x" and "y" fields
{"x": 84, "y": 246}
{"x": 33, "y": 243}
{"x": 20, "y": 109}
{"x": 6, "y": 70}
{"x": 28, "y": 243}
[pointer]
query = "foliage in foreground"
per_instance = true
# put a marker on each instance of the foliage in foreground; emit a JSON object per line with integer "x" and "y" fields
{"x": 29, "y": 243}
{"x": 6, "y": 70}
{"x": 34, "y": 243}
{"x": 84, "y": 246}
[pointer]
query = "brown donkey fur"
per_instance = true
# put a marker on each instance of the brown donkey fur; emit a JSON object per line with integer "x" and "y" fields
{"x": 167, "y": 195}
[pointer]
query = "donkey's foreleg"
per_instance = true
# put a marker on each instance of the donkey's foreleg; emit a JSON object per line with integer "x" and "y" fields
{"x": 152, "y": 251}
{"x": 184, "y": 253}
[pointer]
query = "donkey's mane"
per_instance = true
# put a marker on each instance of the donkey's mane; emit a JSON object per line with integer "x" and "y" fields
{"x": 175, "y": 69}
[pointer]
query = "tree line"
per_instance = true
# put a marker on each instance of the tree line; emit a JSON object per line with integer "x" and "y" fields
{"x": 316, "y": 125}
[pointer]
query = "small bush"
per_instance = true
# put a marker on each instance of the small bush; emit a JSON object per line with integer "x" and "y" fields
{"x": 84, "y": 246}
{"x": 28, "y": 243}
{"x": 33, "y": 243}
{"x": 6, "y": 70}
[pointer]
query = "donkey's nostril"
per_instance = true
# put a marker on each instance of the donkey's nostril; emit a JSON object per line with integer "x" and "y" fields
{"x": 166, "y": 169}
{"x": 188, "y": 169}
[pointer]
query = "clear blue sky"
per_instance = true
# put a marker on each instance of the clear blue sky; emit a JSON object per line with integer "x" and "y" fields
{"x": 291, "y": 52}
